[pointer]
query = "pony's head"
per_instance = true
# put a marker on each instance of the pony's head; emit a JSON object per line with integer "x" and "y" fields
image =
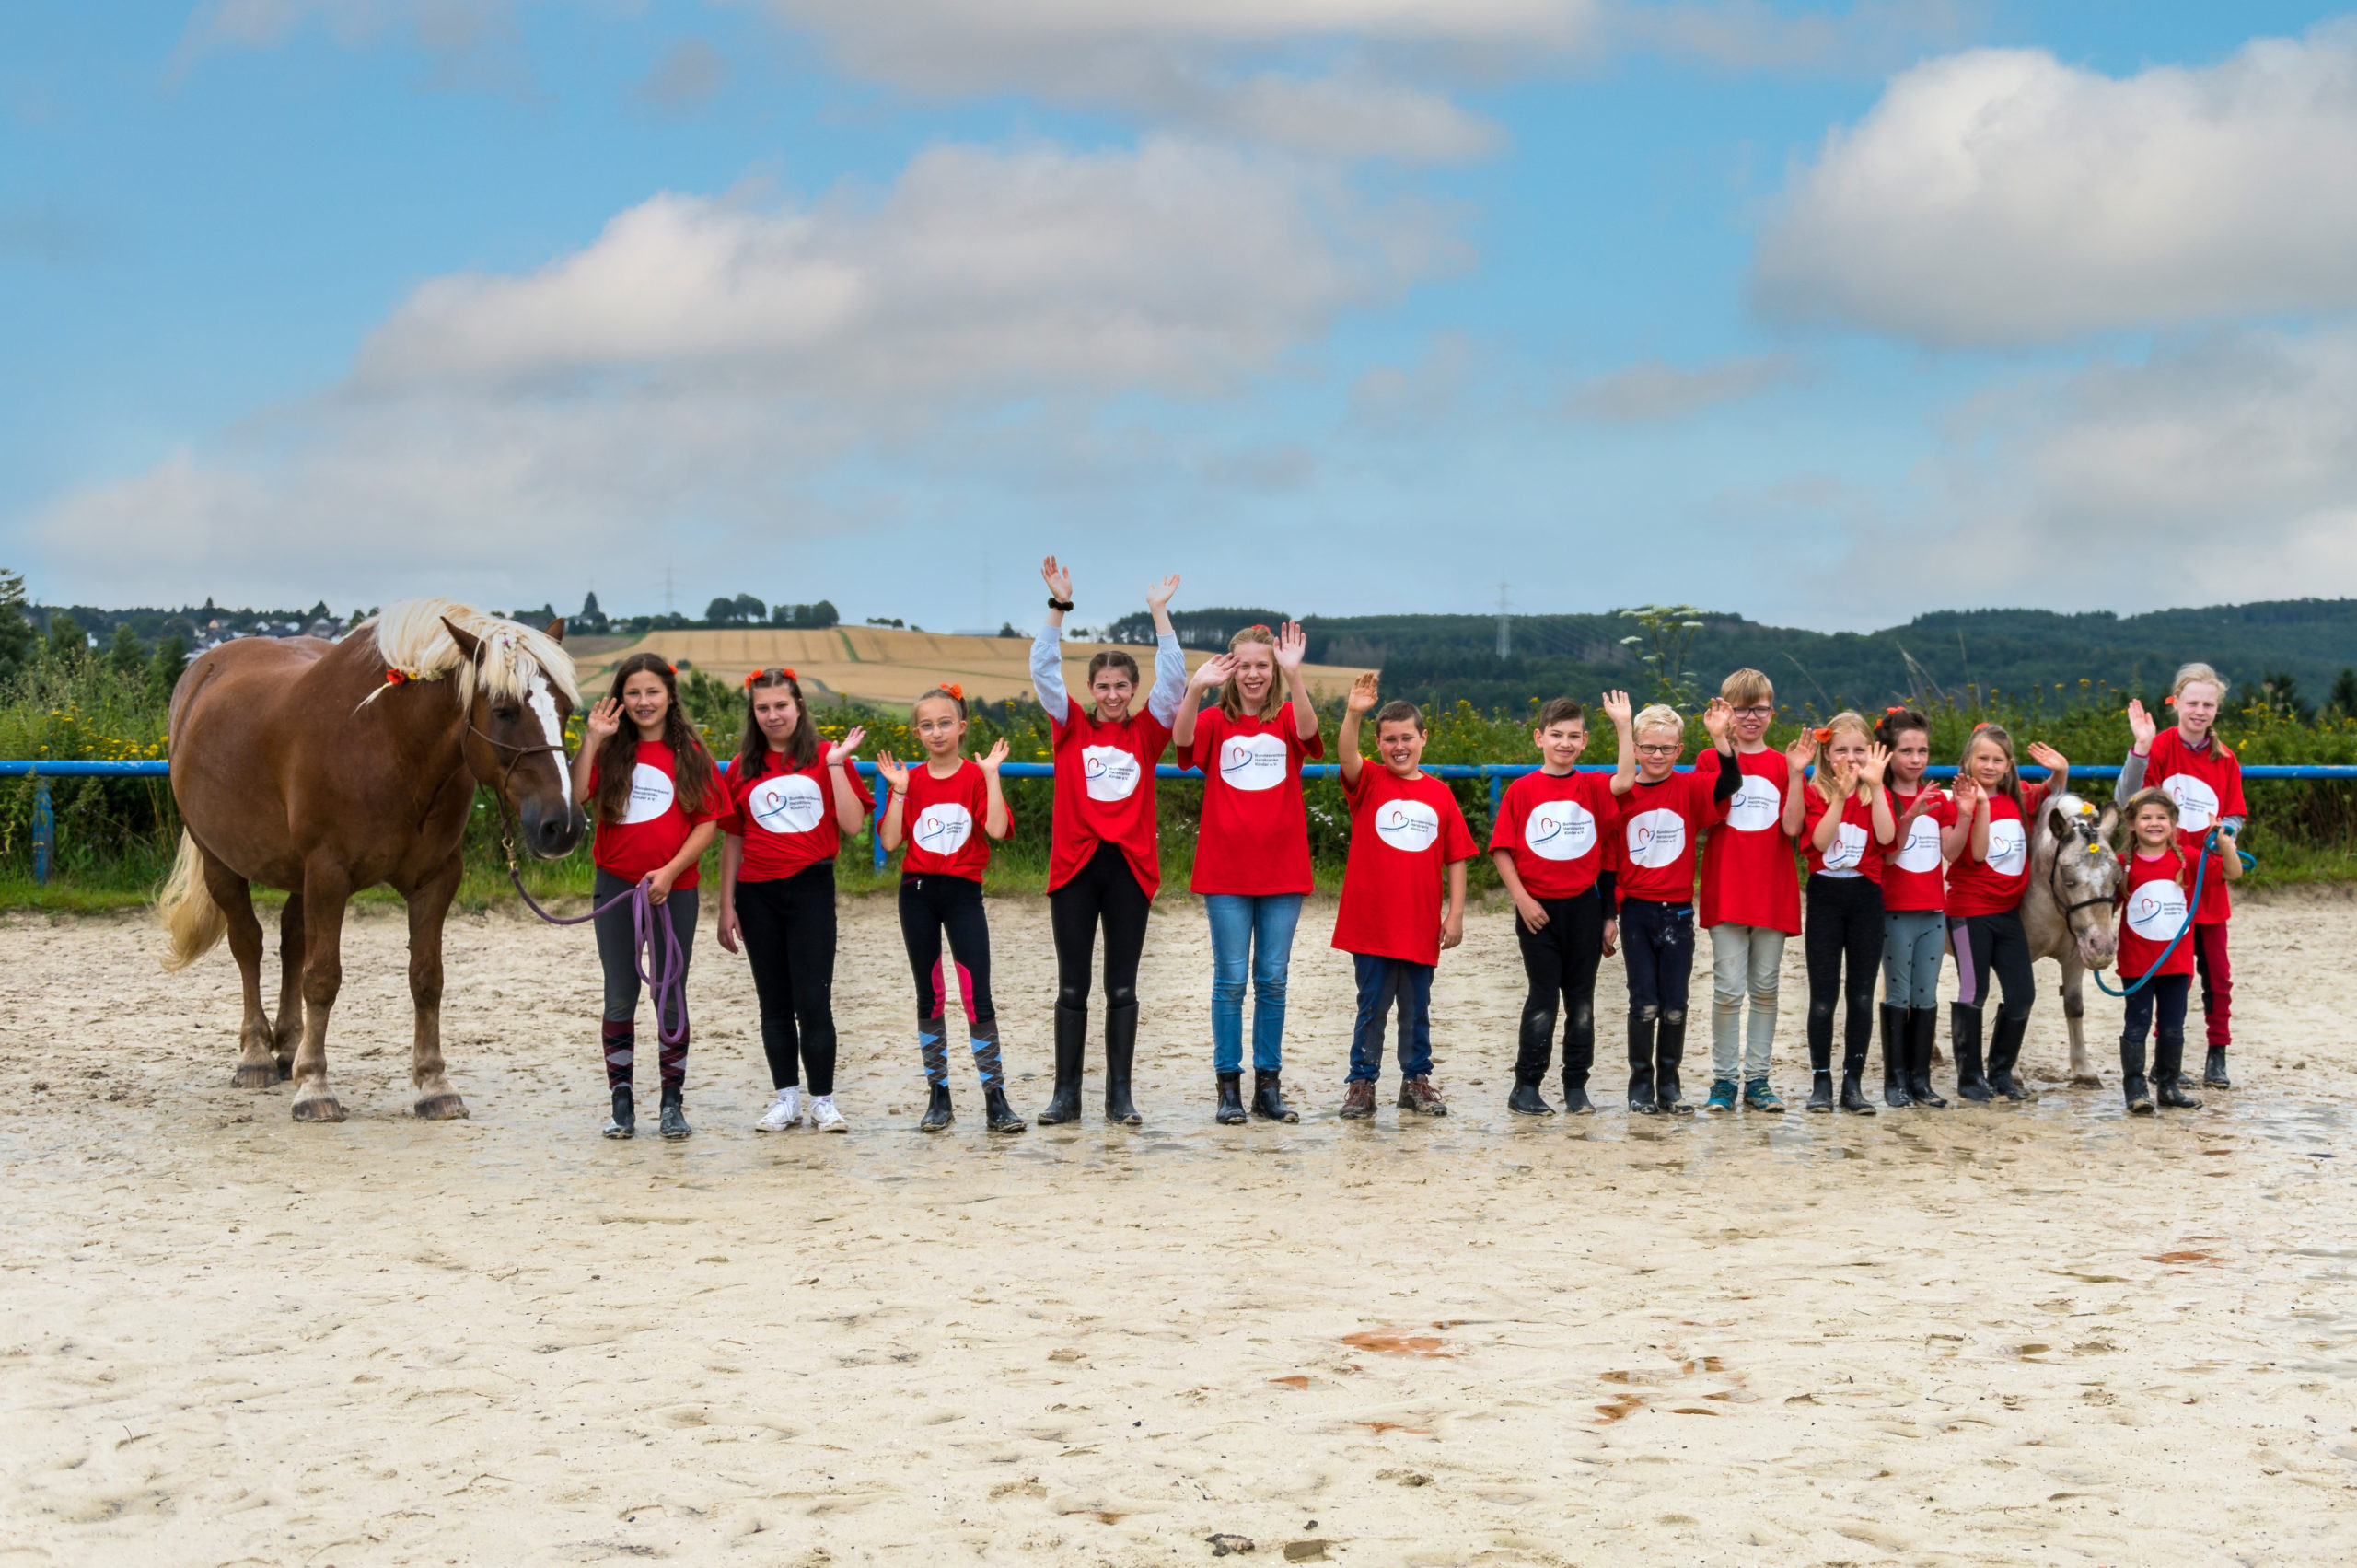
{"x": 515, "y": 688}
{"x": 2074, "y": 857}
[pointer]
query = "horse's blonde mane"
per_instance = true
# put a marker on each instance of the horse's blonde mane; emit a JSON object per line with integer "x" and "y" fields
{"x": 411, "y": 637}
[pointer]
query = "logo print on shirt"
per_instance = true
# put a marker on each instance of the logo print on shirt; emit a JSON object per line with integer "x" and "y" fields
{"x": 2008, "y": 848}
{"x": 1756, "y": 807}
{"x": 941, "y": 828}
{"x": 787, "y": 803}
{"x": 1558, "y": 830}
{"x": 1922, "y": 849}
{"x": 1111, "y": 773}
{"x": 650, "y": 794}
{"x": 2197, "y": 803}
{"x": 1252, "y": 761}
{"x": 1408, "y": 825}
{"x": 1655, "y": 838}
{"x": 1847, "y": 850}
{"x": 2156, "y": 911}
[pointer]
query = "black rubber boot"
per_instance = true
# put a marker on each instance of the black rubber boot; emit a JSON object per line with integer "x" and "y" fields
{"x": 2214, "y": 1070}
{"x": 675, "y": 1115}
{"x": 1576, "y": 1100}
{"x": 1231, "y": 1101}
{"x": 2168, "y": 1073}
{"x": 1120, "y": 1050}
{"x": 1641, "y": 1065}
{"x": 1820, "y": 1090}
{"x": 624, "y": 1123}
{"x": 1269, "y": 1099}
{"x": 2005, "y": 1054}
{"x": 2131, "y": 1077}
{"x": 1964, "y": 1039}
{"x": 1923, "y": 1029}
{"x": 1071, "y": 1048}
{"x": 1526, "y": 1100}
{"x": 1853, "y": 1088}
{"x": 938, "y": 1112}
{"x": 1579, "y": 1059}
{"x": 1893, "y": 1057}
{"x": 1667, "y": 1054}
{"x": 999, "y": 1115}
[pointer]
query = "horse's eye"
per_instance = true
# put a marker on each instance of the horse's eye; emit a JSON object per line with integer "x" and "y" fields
{"x": 507, "y": 715}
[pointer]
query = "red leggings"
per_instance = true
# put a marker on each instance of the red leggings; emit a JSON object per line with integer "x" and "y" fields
{"x": 2217, "y": 972}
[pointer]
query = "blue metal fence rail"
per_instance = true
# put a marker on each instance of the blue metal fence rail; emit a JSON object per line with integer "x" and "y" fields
{"x": 1495, "y": 774}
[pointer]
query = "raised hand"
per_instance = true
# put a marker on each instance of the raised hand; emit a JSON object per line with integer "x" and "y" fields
{"x": 1870, "y": 771}
{"x": 1927, "y": 798}
{"x": 605, "y": 720}
{"x": 1212, "y": 672}
{"x": 1836, "y": 779}
{"x": 995, "y": 756}
{"x": 847, "y": 746}
{"x": 1293, "y": 645}
{"x": 1365, "y": 689}
{"x": 1158, "y": 595}
{"x": 895, "y": 776}
{"x": 1616, "y": 707}
{"x": 2141, "y": 725}
{"x": 1716, "y": 718}
{"x": 1802, "y": 751}
{"x": 2046, "y": 757}
{"x": 1058, "y": 581}
{"x": 1968, "y": 794}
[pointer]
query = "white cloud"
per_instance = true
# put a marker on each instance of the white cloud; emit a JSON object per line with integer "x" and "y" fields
{"x": 1654, "y": 391}
{"x": 1753, "y": 35}
{"x": 706, "y": 364}
{"x": 2001, "y": 197}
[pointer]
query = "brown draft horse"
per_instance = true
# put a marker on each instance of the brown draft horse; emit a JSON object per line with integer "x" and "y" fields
{"x": 323, "y": 768}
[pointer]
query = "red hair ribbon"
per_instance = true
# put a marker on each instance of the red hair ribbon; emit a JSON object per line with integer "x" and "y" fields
{"x": 956, "y": 691}
{"x": 1824, "y": 737}
{"x": 672, "y": 667}
{"x": 2170, "y": 699}
{"x": 1889, "y": 711}
{"x": 751, "y": 676}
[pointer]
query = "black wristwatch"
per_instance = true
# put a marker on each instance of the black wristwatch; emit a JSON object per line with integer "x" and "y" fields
{"x": 1062, "y": 604}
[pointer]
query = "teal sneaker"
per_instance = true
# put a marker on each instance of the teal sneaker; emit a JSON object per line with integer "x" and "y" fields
{"x": 1721, "y": 1100}
{"x": 1757, "y": 1095}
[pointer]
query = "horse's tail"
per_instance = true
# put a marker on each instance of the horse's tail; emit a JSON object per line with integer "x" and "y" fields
{"x": 193, "y": 921}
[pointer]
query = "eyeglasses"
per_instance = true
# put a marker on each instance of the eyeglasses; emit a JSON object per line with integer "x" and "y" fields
{"x": 1758, "y": 711}
{"x": 1656, "y": 750}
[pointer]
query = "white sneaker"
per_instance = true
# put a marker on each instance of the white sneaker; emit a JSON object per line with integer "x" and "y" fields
{"x": 782, "y": 1113}
{"x": 825, "y": 1118}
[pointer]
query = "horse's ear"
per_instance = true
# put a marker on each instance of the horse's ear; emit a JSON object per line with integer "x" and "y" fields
{"x": 469, "y": 643}
{"x": 2108, "y": 823}
{"x": 2058, "y": 826}
{"x": 556, "y": 630}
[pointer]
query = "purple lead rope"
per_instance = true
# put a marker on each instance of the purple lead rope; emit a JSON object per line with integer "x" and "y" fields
{"x": 644, "y": 923}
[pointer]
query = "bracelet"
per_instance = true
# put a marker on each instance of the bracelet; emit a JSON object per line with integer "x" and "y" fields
{"x": 1063, "y": 606}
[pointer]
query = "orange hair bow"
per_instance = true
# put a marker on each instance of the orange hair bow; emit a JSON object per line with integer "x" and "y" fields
{"x": 751, "y": 676}
{"x": 787, "y": 673}
{"x": 956, "y": 691}
{"x": 1894, "y": 710}
{"x": 1824, "y": 737}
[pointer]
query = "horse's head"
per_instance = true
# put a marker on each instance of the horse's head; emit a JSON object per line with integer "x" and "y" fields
{"x": 515, "y": 740}
{"x": 2082, "y": 872}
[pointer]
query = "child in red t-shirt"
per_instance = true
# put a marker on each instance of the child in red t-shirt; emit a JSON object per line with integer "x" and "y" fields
{"x": 1845, "y": 825}
{"x": 1988, "y": 851}
{"x": 792, "y": 798}
{"x": 1914, "y": 926}
{"x": 1408, "y": 838}
{"x": 1253, "y": 847}
{"x": 1662, "y": 816}
{"x": 947, "y": 812}
{"x": 2204, "y": 778}
{"x": 657, "y": 803}
{"x": 1548, "y": 841}
{"x": 2155, "y": 951}
{"x": 1751, "y": 887}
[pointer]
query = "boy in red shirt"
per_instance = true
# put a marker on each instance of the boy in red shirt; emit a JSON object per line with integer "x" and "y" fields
{"x": 1751, "y": 885}
{"x": 1549, "y": 840}
{"x": 1407, "y": 839}
{"x": 2204, "y": 779}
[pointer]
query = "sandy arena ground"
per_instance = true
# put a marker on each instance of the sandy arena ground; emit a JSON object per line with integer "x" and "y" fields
{"x": 2045, "y": 1335}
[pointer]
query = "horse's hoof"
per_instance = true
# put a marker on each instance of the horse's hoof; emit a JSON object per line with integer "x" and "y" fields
{"x": 2087, "y": 1081}
{"x": 321, "y": 1108}
{"x": 253, "y": 1075}
{"x": 442, "y": 1108}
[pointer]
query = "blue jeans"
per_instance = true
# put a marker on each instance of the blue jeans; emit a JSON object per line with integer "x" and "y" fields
{"x": 1385, "y": 985}
{"x": 1251, "y": 933}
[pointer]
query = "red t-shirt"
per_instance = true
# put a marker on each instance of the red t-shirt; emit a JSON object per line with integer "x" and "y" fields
{"x": 2206, "y": 784}
{"x": 1659, "y": 826}
{"x": 787, "y": 819}
{"x": 1105, "y": 793}
{"x": 941, "y": 821}
{"x": 1994, "y": 886}
{"x": 1911, "y": 875}
{"x": 1405, "y": 833}
{"x": 1255, "y": 836}
{"x": 2152, "y": 911}
{"x": 654, "y": 827}
{"x": 1749, "y": 874}
{"x": 1556, "y": 826}
{"x": 1854, "y": 849}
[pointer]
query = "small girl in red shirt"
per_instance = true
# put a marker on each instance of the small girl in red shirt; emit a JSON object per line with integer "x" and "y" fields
{"x": 1846, "y": 825}
{"x": 1988, "y": 852}
{"x": 788, "y": 813}
{"x": 947, "y": 812}
{"x": 658, "y": 803}
{"x": 2157, "y": 918}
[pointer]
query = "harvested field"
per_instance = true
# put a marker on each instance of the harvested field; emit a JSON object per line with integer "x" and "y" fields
{"x": 2042, "y": 1335}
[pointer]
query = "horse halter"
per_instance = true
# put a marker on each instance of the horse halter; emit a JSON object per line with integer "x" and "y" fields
{"x": 507, "y": 820}
{"x": 2054, "y": 886}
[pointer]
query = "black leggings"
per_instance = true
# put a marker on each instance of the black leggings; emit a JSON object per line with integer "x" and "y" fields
{"x": 789, "y": 927}
{"x": 618, "y": 958}
{"x": 932, "y": 904}
{"x": 1104, "y": 890}
{"x": 1992, "y": 943}
{"x": 1844, "y": 923}
{"x": 1561, "y": 958}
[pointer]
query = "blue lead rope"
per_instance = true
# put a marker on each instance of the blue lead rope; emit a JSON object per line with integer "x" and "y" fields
{"x": 2201, "y": 869}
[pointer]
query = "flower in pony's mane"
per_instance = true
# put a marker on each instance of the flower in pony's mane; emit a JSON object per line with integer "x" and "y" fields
{"x": 395, "y": 677}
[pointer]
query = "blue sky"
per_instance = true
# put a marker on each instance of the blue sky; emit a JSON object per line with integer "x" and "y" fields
{"x": 1824, "y": 315}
